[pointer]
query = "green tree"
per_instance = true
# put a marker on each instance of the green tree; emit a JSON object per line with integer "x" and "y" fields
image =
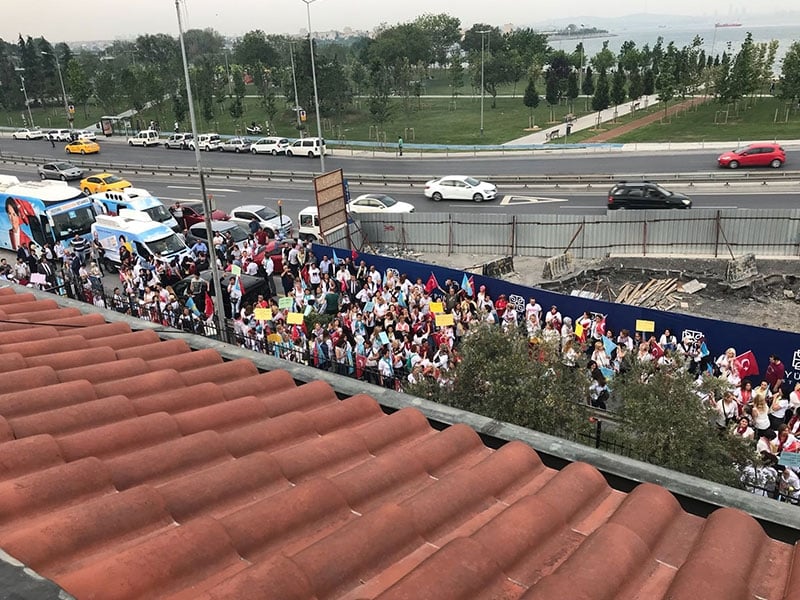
{"x": 380, "y": 107}
{"x": 603, "y": 60}
{"x": 496, "y": 377}
{"x": 106, "y": 89}
{"x": 789, "y": 84}
{"x": 495, "y": 68}
{"x": 359, "y": 76}
{"x": 206, "y": 42}
{"x": 80, "y": 86}
{"x": 572, "y": 89}
{"x": 665, "y": 422}
{"x": 602, "y": 96}
{"x": 551, "y": 93}
{"x": 443, "y": 32}
{"x": 648, "y": 83}
{"x": 587, "y": 87}
{"x": 254, "y": 49}
{"x": 531, "y": 97}
{"x": 531, "y": 45}
{"x": 665, "y": 81}
{"x": 635, "y": 85}
{"x": 180, "y": 105}
{"x": 618, "y": 86}
{"x": 456, "y": 73}
{"x": 493, "y": 40}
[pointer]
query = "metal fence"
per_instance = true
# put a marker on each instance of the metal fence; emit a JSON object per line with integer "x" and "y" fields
{"x": 710, "y": 233}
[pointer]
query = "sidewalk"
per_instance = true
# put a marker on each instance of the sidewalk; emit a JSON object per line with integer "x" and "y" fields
{"x": 585, "y": 122}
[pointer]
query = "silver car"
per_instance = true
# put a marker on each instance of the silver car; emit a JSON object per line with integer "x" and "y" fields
{"x": 60, "y": 170}
{"x": 235, "y": 145}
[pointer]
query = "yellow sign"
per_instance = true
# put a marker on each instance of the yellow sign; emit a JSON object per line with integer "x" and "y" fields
{"x": 645, "y": 326}
{"x": 263, "y": 314}
{"x": 71, "y": 109}
{"x": 294, "y": 318}
{"x": 444, "y": 320}
{"x": 437, "y": 307}
{"x": 274, "y": 338}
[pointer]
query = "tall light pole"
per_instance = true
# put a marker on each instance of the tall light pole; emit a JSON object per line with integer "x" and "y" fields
{"x": 483, "y": 87}
{"x": 314, "y": 79}
{"x": 61, "y": 81}
{"x": 20, "y": 70}
{"x": 294, "y": 83}
{"x": 215, "y": 272}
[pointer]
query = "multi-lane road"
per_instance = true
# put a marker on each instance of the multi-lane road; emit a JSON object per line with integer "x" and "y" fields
{"x": 228, "y": 193}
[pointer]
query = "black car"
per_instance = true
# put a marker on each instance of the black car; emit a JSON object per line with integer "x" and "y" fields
{"x": 253, "y": 288}
{"x": 645, "y": 195}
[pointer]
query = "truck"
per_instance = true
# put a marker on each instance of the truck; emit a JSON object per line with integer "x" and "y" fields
{"x": 43, "y": 212}
{"x": 142, "y": 236}
{"x": 112, "y": 202}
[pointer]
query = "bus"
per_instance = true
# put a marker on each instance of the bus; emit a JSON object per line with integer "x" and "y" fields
{"x": 43, "y": 212}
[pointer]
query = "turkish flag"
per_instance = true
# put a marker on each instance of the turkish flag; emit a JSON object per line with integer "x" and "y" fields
{"x": 746, "y": 364}
{"x": 655, "y": 349}
{"x": 432, "y": 284}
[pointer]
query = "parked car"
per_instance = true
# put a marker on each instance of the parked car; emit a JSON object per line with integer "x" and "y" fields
{"x": 82, "y": 146}
{"x": 178, "y": 140}
{"x": 28, "y": 134}
{"x": 645, "y": 195}
{"x": 276, "y": 225}
{"x": 458, "y": 187}
{"x": 375, "y": 203}
{"x": 235, "y": 145}
{"x": 145, "y": 138}
{"x": 59, "y": 135}
{"x": 270, "y": 145}
{"x": 206, "y": 141}
{"x": 195, "y": 213}
{"x": 60, "y": 170}
{"x": 310, "y": 147}
{"x": 103, "y": 182}
{"x": 754, "y": 155}
{"x": 86, "y": 134}
{"x": 198, "y": 232}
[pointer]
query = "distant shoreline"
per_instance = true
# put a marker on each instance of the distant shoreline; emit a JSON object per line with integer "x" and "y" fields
{"x": 588, "y": 36}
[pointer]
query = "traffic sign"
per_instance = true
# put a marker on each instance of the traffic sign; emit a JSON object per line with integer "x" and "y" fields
{"x": 302, "y": 116}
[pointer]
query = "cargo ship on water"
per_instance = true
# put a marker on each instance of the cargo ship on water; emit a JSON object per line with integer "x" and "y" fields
{"x": 719, "y": 25}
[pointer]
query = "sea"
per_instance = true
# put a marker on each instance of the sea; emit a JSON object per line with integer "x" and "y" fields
{"x": 716, "y": 40}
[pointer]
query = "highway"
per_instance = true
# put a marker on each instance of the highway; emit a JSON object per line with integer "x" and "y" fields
{"x": 228, "y": 193}
{"x": 541, "y": 163}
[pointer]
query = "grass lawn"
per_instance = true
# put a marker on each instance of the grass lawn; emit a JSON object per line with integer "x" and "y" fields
{"x": 696, "y": 125}
{"x": 579, "y": 136}
{"x": 51, "y": 117}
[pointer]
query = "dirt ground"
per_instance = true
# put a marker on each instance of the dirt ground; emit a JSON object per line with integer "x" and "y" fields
{"x": 770, "y": 299}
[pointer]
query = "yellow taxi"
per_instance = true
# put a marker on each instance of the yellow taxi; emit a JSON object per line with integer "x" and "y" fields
{"x": 82, "y": 146}
{"x": 103, "y": 182}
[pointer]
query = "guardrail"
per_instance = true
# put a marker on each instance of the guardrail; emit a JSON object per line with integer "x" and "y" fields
{"x": 721, "y": 177}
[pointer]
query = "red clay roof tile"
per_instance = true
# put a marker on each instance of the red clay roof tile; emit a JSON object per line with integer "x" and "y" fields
{"x": 136, "y": 468}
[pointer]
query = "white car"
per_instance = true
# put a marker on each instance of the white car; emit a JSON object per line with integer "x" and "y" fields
{"x": 206, "y": 141}
{"x": 86, "y": 134}
{"x": 458, "y": 187}
{"x": 28, "y": 134}
{"x": 268, "y": 219}
{"x": 59, "y": 135}
{"x": 270, "y": 145}
{"x": 378, "y": 203}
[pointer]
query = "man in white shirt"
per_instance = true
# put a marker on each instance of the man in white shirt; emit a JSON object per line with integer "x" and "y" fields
{"x": 533, "y": 308}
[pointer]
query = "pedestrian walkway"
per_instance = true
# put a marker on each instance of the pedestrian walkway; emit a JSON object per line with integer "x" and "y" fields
{"x": 558, "y": 132}
{"x": 615, "y": 132}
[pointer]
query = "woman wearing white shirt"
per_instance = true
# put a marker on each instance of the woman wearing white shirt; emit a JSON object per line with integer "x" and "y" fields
{"x": 668, "y": 341}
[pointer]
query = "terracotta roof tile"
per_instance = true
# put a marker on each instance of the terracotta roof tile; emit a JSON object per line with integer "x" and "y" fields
{"x": 137, "y": 468}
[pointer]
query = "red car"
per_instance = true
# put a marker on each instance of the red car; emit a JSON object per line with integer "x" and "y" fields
{"x": 754, "y": 155}
{"x": 193, "y": 213}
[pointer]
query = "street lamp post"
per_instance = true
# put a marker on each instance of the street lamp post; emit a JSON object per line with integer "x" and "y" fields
{"x": 25, "y": 94}
{"x": 483, "y": 88}
{"x": 61, "y": 81}
{"x": 215, "y": 272}
{"x": 314, "y": 79}
{"x": 294, "y": 83}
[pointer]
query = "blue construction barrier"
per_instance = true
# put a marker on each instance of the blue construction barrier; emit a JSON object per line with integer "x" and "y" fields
{"x": 719, "y": 335}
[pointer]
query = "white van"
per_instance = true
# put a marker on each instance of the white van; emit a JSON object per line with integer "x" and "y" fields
{"x": 148, "y": 239}
{"x": 145, "y": 138}
{"x": 310, "y": 147}
{"x": 308, "y": 230}
{"x": 270, "y": 145}
{"x": 113, "y": 202}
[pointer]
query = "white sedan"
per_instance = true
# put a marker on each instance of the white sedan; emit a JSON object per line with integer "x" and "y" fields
{"x": 28, "y": 134}
{"x": 458, "y": 187}
{"x": 86, "y": 134}
{"x": 375, "y": 203}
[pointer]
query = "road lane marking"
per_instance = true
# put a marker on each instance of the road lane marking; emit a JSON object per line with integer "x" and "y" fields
{"x": 306, "y": 200}
{"x": 186, "y": 187}
{"x": 512, "y": 199}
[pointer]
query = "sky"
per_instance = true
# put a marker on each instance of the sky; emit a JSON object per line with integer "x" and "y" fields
{"x": 89, "y": 20}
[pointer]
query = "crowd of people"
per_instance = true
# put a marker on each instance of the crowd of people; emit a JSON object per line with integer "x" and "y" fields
{"x": 384, "y": 328}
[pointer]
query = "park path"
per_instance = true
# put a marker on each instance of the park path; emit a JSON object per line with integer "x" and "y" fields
{"x": 615, "y": 132}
